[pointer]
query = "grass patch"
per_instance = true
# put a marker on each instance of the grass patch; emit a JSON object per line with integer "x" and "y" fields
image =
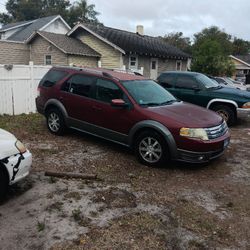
{"x": 40, "y": 226}
{"x": 29, "y": 123}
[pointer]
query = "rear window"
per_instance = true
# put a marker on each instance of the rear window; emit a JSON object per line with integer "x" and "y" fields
{"x": 52, "y": 77}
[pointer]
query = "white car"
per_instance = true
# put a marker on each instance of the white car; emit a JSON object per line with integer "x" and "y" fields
{"x": 15, "y": 161}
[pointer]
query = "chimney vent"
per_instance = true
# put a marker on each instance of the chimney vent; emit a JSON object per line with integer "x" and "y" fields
{"x": 140, "y": 30}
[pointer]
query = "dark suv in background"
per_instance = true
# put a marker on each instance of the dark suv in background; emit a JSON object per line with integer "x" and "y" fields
{"x": 130, "y": 110}
{"x": 198, "y": 89}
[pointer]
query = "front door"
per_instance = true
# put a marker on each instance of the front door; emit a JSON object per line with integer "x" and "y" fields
{"x": 154, "y": 68}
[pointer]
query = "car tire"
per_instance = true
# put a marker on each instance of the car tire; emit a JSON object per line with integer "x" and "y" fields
{"x": 226, "y": 112}
{"x": 151, "y": 149}
{"x": 55, "y": 121}
{"x": 3, "y": 184}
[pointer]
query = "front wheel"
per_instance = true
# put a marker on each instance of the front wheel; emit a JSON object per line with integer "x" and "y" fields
{"x": 3, "y": 184}
{"x": 55, "y": 121}
{"x": 151, "y": 149}
{"x": 226, "y": 112}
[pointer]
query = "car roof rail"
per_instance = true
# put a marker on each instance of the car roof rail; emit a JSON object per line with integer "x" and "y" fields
{"x": 106, "y": 74}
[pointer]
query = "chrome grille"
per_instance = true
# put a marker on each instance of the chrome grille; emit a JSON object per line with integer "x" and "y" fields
{"x": 218, "y": 131}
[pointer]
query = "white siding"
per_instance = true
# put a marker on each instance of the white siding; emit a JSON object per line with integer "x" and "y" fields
{"x": 18, "y": 88}
{"x": 57, "y": 27}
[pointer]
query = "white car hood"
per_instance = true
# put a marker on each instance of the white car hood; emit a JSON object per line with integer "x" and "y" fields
{"x": 5, "y": 135}
{"x": 7, "y": 144}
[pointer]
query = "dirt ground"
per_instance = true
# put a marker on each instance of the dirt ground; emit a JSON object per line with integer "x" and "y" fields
{"x": 132, "y": 206}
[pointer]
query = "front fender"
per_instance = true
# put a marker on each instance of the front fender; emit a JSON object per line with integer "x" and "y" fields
{"x": 160, "y": 128}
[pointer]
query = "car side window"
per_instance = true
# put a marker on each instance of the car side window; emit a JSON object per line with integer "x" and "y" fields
{"x": 52, "y": 77}
{"x": 107, "y": 91}
{"x": 186, "y": 82}
{"x": 166, "y": 80}
{"x": 79, "y": 85}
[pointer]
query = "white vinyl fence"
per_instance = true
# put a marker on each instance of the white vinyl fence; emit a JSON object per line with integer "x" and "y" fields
{"x": 18, "y": 87}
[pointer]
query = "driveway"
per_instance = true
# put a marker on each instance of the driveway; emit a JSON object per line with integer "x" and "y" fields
{"x": 131, "y": 206}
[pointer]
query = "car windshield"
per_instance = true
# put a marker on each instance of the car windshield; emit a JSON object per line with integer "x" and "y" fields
{"x": 206, "y": 81}
{"x": 148, "y": 93}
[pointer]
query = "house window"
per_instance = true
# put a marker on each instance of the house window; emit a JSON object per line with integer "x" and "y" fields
{"x": 48, "y": 60}
{"x": 133, "y": 62}
{"x": 178, "y": 65}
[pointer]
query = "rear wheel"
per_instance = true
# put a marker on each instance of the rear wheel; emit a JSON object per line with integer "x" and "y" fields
{"x": 226, "y": 112}
{"x": 151, "y": 148}
{"x": 3, "y": 183}
{"x": 55, "y": 121}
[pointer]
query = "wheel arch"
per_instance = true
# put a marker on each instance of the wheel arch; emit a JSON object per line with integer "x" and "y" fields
{"x": 54, "y": 103}
{"x": 216, "y": 101}
{"x": 4, "y": 169}
{"x": 158, "y": 127}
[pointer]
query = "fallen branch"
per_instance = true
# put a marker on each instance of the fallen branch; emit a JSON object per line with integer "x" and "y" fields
{"x": 71, "y": 175}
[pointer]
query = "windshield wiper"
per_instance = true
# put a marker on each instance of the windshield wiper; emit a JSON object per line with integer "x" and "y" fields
{"x": 158, "y": 104}
{"x": 168, "y": 102}
{"x": 150, "y": 104}
{"x": 217, "y": 87}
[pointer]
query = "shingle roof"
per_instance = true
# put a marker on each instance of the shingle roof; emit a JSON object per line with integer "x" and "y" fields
{"x": 245, "y": 58}
{"x": 69, "y": 45}
{"x": 13, "y": 25}
{"x": 134, "y": 43}
{"x": 28, "y": 30}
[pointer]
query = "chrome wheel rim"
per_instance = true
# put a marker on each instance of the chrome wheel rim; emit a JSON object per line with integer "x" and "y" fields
{"x": 150, "y": 150}
{"x": 54, "y": 122}
{"x": 223, "y": 114}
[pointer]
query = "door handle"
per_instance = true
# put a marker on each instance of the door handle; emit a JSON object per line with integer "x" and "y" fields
{"x": 96, "y": 108}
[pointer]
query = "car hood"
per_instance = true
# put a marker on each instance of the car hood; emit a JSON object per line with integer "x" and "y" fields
{"x": 5, "y": 135}
{"x": 233, "y": 92}
{"x": 7, "y": 144}
{"x": 187, "y": 115}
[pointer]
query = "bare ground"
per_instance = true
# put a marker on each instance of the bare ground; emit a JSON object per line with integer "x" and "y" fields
{"x": 179, "y": 206}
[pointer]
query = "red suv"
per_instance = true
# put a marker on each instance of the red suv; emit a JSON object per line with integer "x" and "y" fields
{"x": 131, "y": 110}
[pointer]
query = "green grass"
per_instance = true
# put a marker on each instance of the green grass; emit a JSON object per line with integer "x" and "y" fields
{"x": 28, "y": 123}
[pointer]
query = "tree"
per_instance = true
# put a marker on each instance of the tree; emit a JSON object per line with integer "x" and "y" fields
{"x": 82, "y": 12}
{"x": 211, "y": 50}
{"x": 23, "y": 10}
{"x": 178, "y": 40}
{"x": 240, "y": 46}
{"x": 209, "y": 58}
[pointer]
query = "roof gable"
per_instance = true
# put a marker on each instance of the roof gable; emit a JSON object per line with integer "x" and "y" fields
{"x": 243, "y": 59}
{"x": 35, "y": 25}
{"x": 132, "y": 42}
{"x": 66, "y": 44}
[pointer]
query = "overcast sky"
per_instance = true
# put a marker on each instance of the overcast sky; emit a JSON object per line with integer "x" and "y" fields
{"x": 163, "y": 16}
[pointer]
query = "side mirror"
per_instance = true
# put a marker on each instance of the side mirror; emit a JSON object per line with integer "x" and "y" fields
{"x": 119, "y": 103}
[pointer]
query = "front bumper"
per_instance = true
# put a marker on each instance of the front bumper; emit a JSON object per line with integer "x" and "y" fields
{"x": 22, "y": 169}
{"x": 201, "y": 157}
{"x": 243, "y": 111}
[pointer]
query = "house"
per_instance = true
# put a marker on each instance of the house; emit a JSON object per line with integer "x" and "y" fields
{"x": 21, "y": 31}
{"x": 57, "y": 49}
{"x": 13, "y": 46}
{"x": 241, "y": 63}
{"x": 50, "y": 41}
{"x": 134, "y": 51}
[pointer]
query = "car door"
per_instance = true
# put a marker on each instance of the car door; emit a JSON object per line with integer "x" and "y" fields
{"x": 113, "y": 120}
{"x": 75, "y": 94}
{"x": 167, "y": 81}
{"x": 188, "y": 89}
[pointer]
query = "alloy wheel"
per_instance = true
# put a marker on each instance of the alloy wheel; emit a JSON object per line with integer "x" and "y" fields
{"x": 150, "y": 150}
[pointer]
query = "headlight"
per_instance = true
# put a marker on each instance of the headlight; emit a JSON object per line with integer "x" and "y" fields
{"x": 246, "y": 105}
{"x": 21, "y": 148}
{"x": 198, "y": 133}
